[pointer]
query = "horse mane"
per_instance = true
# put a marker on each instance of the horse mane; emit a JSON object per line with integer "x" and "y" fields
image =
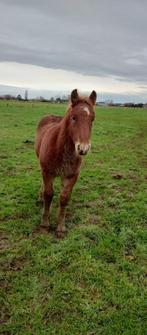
{"x": 81, "y": 99}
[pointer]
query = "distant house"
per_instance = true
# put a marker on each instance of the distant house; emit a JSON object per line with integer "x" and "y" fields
{"x": 101, "y": 103}
{"x": 131, "y": 104}
{"x": 19, "y": 97}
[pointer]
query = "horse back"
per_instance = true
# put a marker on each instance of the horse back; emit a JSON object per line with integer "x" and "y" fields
{"x": 45, "y": 126}
{"x": 46, "y": 120}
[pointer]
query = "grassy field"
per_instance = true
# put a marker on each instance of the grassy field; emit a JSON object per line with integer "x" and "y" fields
{"x": 93, "y": 281}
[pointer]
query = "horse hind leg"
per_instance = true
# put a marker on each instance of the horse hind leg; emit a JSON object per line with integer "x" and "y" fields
{"x": 47, "y": 199}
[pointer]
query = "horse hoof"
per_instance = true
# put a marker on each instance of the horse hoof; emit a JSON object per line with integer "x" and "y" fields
{"x": 60, "y": 233}
{"x": 44, "y": 224}
{"x": 47, "y": 228}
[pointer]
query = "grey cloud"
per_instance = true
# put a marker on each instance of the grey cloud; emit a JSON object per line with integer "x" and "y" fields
{"x": 106, "y": 38}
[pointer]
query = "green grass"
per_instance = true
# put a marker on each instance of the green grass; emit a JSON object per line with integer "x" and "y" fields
{"x": 92, "y": 281}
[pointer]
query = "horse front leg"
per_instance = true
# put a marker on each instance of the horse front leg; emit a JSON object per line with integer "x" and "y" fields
{"x": 66, "y": 189}
{"x": 40, "y": 196}
{"x": 48, "y": 193}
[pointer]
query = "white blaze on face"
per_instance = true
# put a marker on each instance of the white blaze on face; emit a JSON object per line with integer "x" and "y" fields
{"x": 86, "y": 109}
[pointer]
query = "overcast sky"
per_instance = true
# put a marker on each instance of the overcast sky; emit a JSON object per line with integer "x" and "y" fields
{"x": 63, "y": 44}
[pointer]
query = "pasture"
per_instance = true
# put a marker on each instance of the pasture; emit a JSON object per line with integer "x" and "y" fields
{"x": 92, "y": 281}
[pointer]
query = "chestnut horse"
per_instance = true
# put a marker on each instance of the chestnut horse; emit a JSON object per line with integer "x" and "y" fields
{"x": 60, "y": 144}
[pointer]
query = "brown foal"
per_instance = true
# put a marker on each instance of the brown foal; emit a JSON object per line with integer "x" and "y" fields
{"x": 60, "y": 144}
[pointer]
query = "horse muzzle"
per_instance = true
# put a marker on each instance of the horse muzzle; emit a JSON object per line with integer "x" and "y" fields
{"x": 82, "y": 148}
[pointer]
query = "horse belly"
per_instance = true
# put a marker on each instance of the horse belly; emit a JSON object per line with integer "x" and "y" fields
{"x": 40, "y": 137}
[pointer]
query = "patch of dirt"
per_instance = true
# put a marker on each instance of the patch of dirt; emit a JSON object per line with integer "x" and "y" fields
{"x": 3, "y": 156}
{"x": 4, "y": 284}
{"x": 112, "y": 205}
{"x": 117, "y": 176}
{"x": 117, "y": 188}
{"x": 129, "y": 257}
{"x": 100, "y": 202}
{"x": 41, "y": 230}
{"x": 132, "y": 176}
{"x": 15, "y": 265}
{"x": 4, "y": 243}
{"x": 94, "y": 220}
{"x": 144, "y": 162}
{"x": 95, "y": 294}
{"x": 15, "y": 217}
{"x": 28, "y": 142}
{"x": 4, "y": 320}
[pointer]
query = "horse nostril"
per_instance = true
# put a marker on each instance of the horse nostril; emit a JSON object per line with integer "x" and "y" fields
{"x": 83, "y": 152}
{"x": 82, "y": 149}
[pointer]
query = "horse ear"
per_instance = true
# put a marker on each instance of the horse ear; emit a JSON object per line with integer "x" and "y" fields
{"x": 74, "y": 96}
{"x": 92, "y": 97}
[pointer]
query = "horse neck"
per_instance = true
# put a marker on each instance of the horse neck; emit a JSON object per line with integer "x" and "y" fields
{"x": 65, "y": 143}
